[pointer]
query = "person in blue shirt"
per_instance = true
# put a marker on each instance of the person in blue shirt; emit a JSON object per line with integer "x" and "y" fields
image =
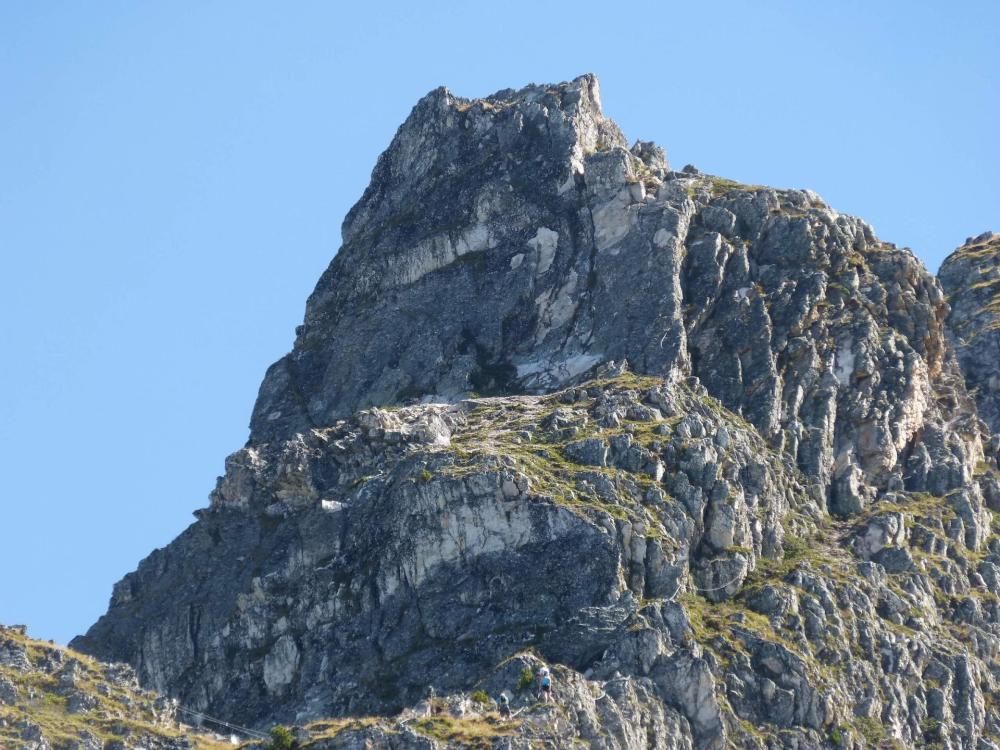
{"x": 545, "y": 683}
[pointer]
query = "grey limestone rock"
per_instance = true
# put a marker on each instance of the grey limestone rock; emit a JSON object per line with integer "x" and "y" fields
{"x": 703, "y": 449}
{"x": 971, "y": 278}
{"x": 57, "y": 699}
{"x": 8, "y": 691}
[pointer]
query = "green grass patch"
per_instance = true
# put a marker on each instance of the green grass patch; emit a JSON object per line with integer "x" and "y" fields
{"x": 476, "y": 733}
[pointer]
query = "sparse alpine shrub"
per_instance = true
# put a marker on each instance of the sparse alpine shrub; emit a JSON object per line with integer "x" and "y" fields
{"x": 525, "y": 679}
{"x": 282, "y": 739}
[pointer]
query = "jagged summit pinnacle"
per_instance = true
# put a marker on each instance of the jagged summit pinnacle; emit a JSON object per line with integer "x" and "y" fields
{"x": 583, "y": 92}
{"x": 566, "y": 118}
{"x": 483, "y": 197}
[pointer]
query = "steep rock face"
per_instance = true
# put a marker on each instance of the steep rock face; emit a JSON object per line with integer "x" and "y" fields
{"x": 679, "y": 576}
{"x": 971, "y": 278}
{"x": 773, "y": 531}
{"x": 511, "y": 244}
{"x": 360, "y": 563}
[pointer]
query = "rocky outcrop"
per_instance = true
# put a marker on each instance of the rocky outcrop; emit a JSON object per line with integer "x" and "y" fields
{"x": 630, "y": 532}
{"x": 511, "y": 244}
{"x": 54, "y": 699}
{"x": 772, "y": 528}
{"x": 430, "y": 544}
{"x": 971, "y": 278}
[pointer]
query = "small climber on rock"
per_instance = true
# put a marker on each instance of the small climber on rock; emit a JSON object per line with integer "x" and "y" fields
{"x": 545, "y": 684}
{"x": 503, "y": 706}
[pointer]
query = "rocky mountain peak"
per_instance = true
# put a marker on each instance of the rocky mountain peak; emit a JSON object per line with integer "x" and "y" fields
{"x": 512, "y": 244}
{"x": 550, "y": 128}
{"x": 480, "y": 204}
{"x": 702, "y": 449}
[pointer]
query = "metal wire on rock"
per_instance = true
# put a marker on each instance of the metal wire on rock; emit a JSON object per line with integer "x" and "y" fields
{"x": 201, "y": 716}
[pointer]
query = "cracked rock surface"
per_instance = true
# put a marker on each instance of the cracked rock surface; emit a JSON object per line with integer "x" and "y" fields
{"x": 971, "y": 278}
{"x": 704, "y": 449}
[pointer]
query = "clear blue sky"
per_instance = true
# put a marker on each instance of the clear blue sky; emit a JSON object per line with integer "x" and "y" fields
{"x": 173, "y": 177}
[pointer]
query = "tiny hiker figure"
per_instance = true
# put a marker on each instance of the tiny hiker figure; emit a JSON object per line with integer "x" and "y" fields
{"x": 503, "y": 705}
{"x": 545, "y": 682}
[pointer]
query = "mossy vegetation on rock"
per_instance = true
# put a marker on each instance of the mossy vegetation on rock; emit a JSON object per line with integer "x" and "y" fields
{"x": 56, "y": 698}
